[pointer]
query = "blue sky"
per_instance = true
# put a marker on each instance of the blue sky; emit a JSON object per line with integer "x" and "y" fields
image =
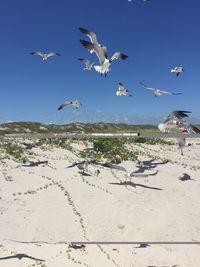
{"x": 156, "y": 35}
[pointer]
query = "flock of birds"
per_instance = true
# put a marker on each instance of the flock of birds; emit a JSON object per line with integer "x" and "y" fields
{"x": 176, "y": 119}
{"x": 104, "y": 66}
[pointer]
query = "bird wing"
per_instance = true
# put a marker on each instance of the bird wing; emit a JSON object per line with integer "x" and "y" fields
{"x": 169, "y": 93}
{"x": 91, "y": 35}
{"x": 66, "y": 103}
{"x": 39, "y": 53}
{"x": 177, "y": 115}
{"x": 114, "y": 166}
{"x": 147, "y": 87}
{"x": 86, "y": 62}
{"x": 53, "y": 54}
{"x": 118, "y": 55}
{"x": 76, "y": 164}
{"x": 99, "y": 51}
{"x": 193, "y": 129}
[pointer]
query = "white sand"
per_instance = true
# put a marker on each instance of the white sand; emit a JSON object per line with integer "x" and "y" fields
{"x": 50, "y": 255}
{"x": 51, "y": 203}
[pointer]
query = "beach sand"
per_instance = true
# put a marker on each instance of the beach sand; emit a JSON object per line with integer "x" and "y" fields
{"x": 53, "y": 203}
{"x": 63, "y": 255}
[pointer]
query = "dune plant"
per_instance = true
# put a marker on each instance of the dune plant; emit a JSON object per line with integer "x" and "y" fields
{"x": 110, "y": 149}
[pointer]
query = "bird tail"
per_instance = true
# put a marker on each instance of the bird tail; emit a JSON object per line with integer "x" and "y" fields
{"x": 98, "y": 69}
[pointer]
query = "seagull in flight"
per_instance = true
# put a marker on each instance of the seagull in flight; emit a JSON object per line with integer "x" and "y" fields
{"x": 44, "y": 55}
{"x": 177, "y": 70}
{"x": 101, "y": 51}
{"x": 158, "y": 92}
{"x": 177, "y": 119}
{"x": 88, "y": 65}
{"x": 74, "y": 103}
{"x": 123, "y": 91}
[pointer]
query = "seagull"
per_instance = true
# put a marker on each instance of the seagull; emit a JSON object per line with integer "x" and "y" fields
{"x": 129, "y": 174}
{"x": 83, "y": 165}
{"x": 123, "y": 91}
{"x": 158, "y": 92}
{"x": 101, "y": 52}
{"x": 74, "y": 103}
{"x": 177, "y": 119}
{"x": 88, "y": 65}
{"x": 44, "y": 55}
{"x": 177, "y": 70}
{"x": 181, "y": 143}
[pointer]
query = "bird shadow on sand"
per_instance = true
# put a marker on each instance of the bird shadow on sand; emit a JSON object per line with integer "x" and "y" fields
{"x": 135, "y": 185}
{"x": 185, "y": 177}
{"x": 85, "y": 173}
{"x": 148, "y": 164}
{"x": 35, "y": 164}
{"x": 19, "y": 257}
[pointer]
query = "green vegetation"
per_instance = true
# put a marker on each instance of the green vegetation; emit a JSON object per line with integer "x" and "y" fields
{"x": 14, "y": 150}
{"x": 152, "y": 141}
{"x": 55, "y": 142}
{"x": 111, "y": 149}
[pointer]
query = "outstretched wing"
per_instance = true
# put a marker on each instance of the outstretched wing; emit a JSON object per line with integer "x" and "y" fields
{"x": 147, "y": 87}
{"x": 118, "y": 55}
{"x": 39, "y": 53}
{"x": 86, "y": 62}
{"x": 66, "y": 103}
{"x": 99, "y": 51}
{"x": 51, "y": 54}
{"x": 177, "y": 115}
{"x": 91, "y": 35}
{"x": 169, "y": 93}
{"x": 193, "y": 129}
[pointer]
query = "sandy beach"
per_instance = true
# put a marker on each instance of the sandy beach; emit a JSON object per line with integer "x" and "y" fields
{"x": 53, "y": 203}
{"x": 50, "y": 255}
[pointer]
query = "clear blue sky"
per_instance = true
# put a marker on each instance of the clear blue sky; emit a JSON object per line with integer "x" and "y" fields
{"x": 156, "y": 35}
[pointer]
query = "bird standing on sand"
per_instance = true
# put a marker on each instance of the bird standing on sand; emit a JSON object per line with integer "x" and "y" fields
{"x": 82, "y": 166}
{"x": 158, "y": 92}
{"x": 123, "y": 91}
{"x": 101, "y": 52}
{"x": 177, "y": 70}
{"x": 181, "y": 143}
{"x": 44, "y": 55}
{"x": 74, "y": 103}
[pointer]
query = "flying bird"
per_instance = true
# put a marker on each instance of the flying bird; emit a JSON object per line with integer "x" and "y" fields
{"x": 122, "y": 91}
{"x": 74, "y": 103}
{"x": 158, "y": 92}
{"x": 44, "y": 55}
{"x": 177, "y": 119}
{"x": 101, "y": 51}
{"x": 88, "y": 64}
{"x": 177, "y": 70}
